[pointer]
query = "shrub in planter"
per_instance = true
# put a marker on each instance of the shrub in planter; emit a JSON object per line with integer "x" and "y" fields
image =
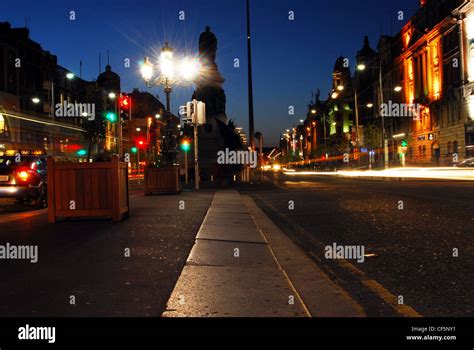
{"x": 162, "y": 180}
{"x": 84, "y": 190}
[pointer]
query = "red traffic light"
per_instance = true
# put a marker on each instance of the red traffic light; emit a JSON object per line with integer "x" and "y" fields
{"x": 141, "y": 143}
{"x": 125, "y": 102}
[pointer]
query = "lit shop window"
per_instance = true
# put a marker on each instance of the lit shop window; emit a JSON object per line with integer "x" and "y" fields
{"x": 2, "y": 124}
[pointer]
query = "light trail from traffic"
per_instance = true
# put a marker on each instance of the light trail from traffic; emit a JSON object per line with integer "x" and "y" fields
{"x": 435, "y": 173}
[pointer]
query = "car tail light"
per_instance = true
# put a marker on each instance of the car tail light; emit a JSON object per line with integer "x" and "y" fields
{"x": 23, "y": 175}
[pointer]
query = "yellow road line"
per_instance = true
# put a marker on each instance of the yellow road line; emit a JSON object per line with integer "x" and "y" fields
{"x": 390, "y": 299}
{"x": 374, "y": 286}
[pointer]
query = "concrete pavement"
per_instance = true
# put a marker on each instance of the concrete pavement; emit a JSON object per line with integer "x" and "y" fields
{"x": 242, "y": 265}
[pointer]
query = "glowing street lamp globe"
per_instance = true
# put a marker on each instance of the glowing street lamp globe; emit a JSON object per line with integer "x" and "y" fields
{"x": 167, "y": 51}
{"x": 147, "y": 69}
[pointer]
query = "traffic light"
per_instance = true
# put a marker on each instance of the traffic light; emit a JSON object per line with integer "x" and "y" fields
{"x": 185, "y": 145}
{"x": 125, "y": 103}
{"x": 141, "y": 143}
{"x": 111, "y": 117}
{"x": 404, "y": 143}
{"x": 125, "y": 107}
{"x": 134, "y": 150}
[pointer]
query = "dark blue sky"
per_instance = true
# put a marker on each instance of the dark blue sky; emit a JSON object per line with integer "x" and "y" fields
{"x": 290, "y": 58}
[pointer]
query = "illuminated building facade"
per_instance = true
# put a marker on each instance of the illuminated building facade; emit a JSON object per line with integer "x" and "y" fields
{"x": 434, "y": 82}
{"x": 427, "y": 70}
{"x": 466, "y": 14}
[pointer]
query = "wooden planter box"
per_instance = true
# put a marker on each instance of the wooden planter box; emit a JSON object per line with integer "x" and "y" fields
{"x": 162, "y": 180}
{"x": 88, "y": 190}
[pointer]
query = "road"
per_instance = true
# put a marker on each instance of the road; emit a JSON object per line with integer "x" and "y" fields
{"x": 411, "y": 231}
{"x": 87, "y": 260}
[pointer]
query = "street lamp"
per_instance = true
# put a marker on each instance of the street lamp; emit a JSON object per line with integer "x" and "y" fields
{"x": 70, "y": 76}
{"x": 362, "y": 67}
{"x": 397, "y": 88}
{"x": 35, "y": 100}
{"x": 370, "y": 105}
{"x": 168, "y": 72}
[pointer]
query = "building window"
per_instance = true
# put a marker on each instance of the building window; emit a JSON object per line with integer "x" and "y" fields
{"x": 450, "y": 149}
{"x": 455, "y": 147}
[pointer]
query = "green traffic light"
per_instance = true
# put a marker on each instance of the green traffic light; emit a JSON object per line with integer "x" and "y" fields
{"x": 111, "y": 117}
{"x": 185, "y": 146}
{"x": 404, "y": 143}
{"x": 81, "y": 152}
{"x": 134, "y": 150}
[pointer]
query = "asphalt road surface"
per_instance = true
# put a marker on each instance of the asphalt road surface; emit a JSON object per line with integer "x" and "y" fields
{"x": 411, "y": 232}
{"x": 83, "y": 268}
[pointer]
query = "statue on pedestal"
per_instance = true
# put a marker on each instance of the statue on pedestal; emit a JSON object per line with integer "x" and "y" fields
{"x": 209, "y": 84}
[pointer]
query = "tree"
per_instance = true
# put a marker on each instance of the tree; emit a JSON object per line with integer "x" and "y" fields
{"x": 371, "y": 137}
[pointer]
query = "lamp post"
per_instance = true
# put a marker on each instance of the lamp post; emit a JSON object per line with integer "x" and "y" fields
{"x": 170, "y": 72}
{"x": 361, "y": 67}
{"x": 259, "y": 137}
{"x": 356, "y": 103}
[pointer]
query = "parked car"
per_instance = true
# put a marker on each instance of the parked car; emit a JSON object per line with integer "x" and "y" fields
{"x": 24, "y": 179}
{"x": 466, "y": 163}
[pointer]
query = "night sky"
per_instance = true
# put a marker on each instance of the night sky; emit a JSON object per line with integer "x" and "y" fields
{"x": 291, "y": 58}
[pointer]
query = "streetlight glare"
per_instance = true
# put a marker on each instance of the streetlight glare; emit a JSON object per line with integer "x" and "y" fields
{"x": 157, "y": 116}
{"x": 334, "y": 95}
{"x": 35, "y": 100}
{"x": 370, "y": 105}
{"x": 189, "y": 68}
{"x": 112, "y": 95}
{"x": 147, "y": 69}
{"x": 398, "y": 88}
{"x": 340, "y": 87}
{"x": 167, "y": 66}
{"x": 361, "y": 67}
{"x": 70, "y": 75}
